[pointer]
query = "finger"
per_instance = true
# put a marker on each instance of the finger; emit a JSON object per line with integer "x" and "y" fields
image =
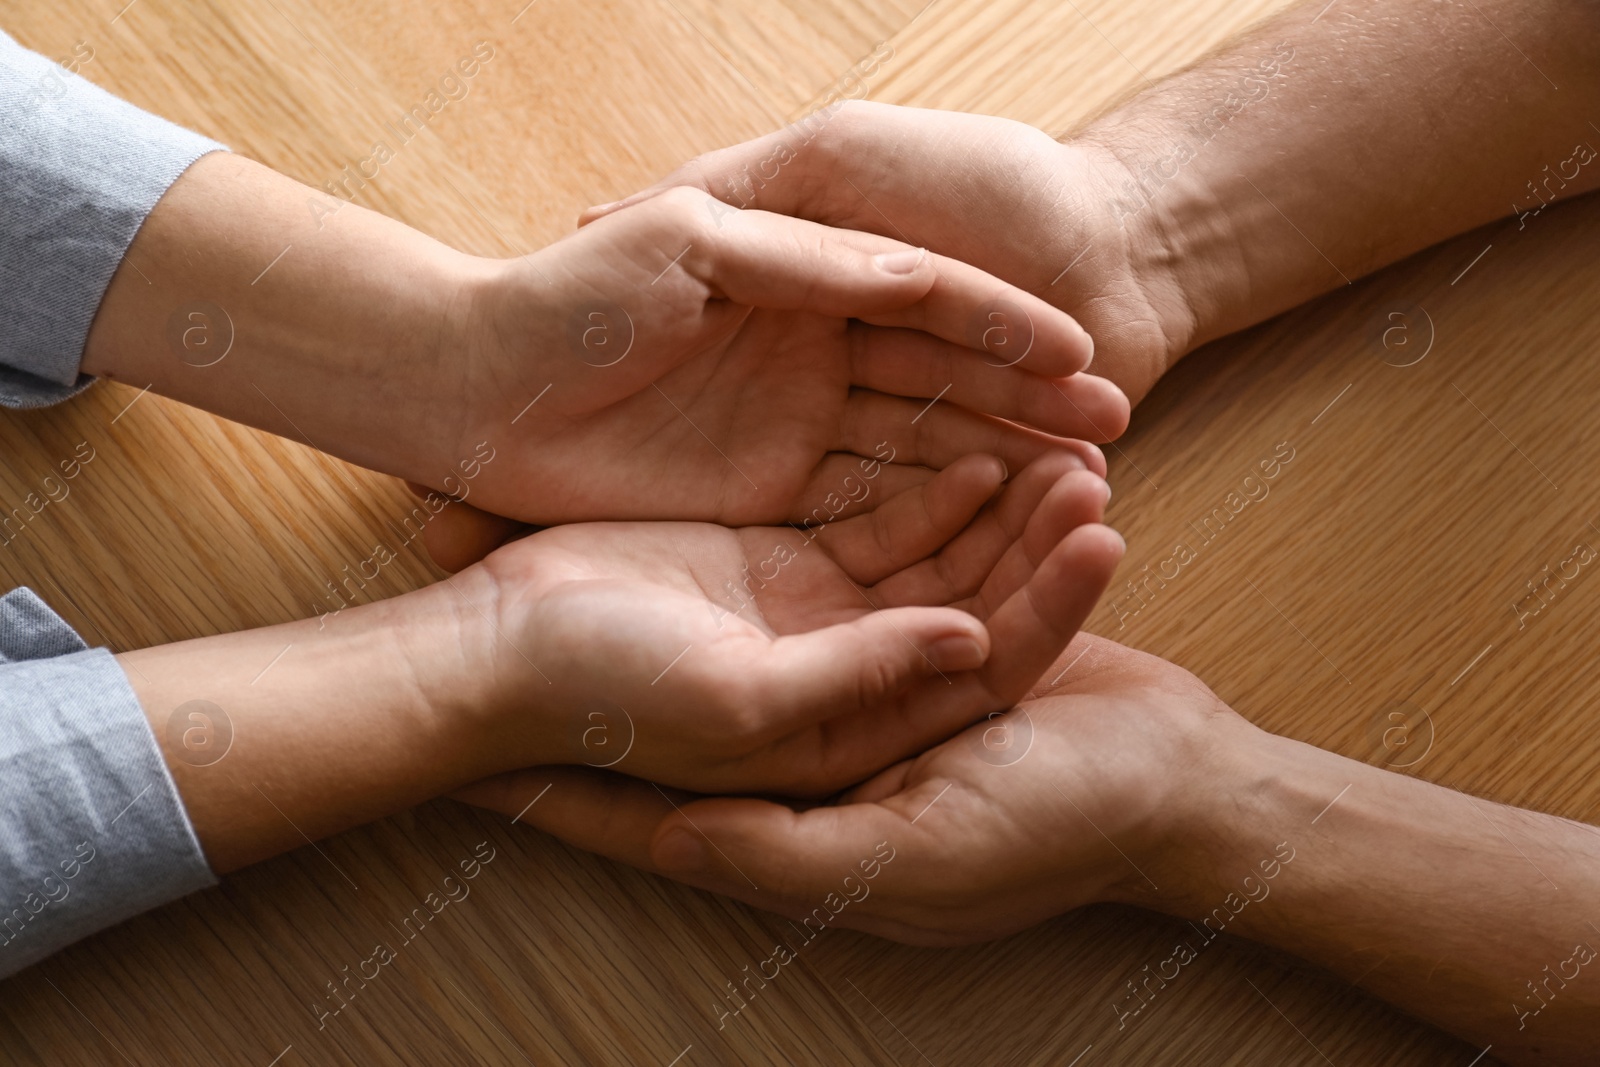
{"x": 844, "y": 485}
{"x": 913, "y": 364}
{"x": 601, "y": 811}
{"x": 935, "y": 435}
{"x": 805, "y": 864}
{"x": 1101, "y": 409}
{"x": 1007, "y": 326}
{"x": 961, "y": 568}
{"x": 807, "y": 678}
{"x": 913, "y": 525}
{"x": 765, "y": 260}
{"x": 1076, "y": 499}
{"x": 1028, "y": 633}
{"x": 1032, "y": 627}
{"x": 758, "y": 259}
{"x": 763, "y": 853}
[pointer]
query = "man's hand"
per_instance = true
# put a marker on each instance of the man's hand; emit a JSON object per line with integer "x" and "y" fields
{"x": 1326, "y": 142}
{"x": 1130, "y": 781}
{"x": 790, "y": 659}
{"x": 998, "y": 194}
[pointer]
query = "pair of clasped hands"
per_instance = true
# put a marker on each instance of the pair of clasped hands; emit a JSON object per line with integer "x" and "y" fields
{"x": 812, "y": 511}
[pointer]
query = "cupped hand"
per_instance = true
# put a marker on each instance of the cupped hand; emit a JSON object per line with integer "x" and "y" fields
{"x": 1071, "y": 798}
{"x": 685, "y": 360}
{"x": 791, "y": 659}
{"x": 1063, "y": 221}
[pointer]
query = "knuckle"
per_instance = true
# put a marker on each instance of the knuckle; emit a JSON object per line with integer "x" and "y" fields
{"x": 694, "y": 173}
{"x": 876, "y": 677}
{"x": 741, "y": 715}
{"x": 682, "y": 210}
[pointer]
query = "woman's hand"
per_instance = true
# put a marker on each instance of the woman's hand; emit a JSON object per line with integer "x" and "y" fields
{"x": 791, "y": 659}
{"x": 682, "y": 360}
{"x": 687, "y": 360}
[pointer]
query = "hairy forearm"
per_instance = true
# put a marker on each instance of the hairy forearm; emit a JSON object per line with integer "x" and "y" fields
{"x": 1333, "y": 139}
{"x": 1477, "y": 917}
{"x": 285, "y": 734}
{"x": 271, "y": 303}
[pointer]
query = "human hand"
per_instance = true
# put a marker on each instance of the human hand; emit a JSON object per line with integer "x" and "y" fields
{"x": 998, "y": 194}
{"x": 684, "y": 360}
{"x": 791, "y": 660}
{"x": 1074, "y": 797}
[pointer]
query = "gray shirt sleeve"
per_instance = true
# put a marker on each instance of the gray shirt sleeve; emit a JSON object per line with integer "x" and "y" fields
{"x": 94, "y": 830}
{"x": 79, "y": 172}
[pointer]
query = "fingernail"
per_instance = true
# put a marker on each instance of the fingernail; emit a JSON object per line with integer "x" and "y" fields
{"x": 682, "y": 851}
{"x": 1005, "y": 471}
{"x": 956, "y": 654}
{"x": 905, "y": 261}
{"x": 1107, "y": 487}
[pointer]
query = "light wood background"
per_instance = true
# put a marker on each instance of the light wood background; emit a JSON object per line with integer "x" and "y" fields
{"x": 1382, "y": 567}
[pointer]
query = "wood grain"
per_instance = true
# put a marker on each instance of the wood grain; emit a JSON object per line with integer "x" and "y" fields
{"x": 1380, "y": 570}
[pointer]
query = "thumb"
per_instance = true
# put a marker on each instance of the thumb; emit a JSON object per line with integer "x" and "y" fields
{"x": 761, "y": 259}
{"x": 766, "y": 260}
{"x": 856, "y": 666}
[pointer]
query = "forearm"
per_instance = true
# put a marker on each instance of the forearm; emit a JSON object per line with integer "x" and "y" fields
{"x": 1333, "y": 139}
{"x": 309, "y": 728}
{"x": 1472, "y": 915}
{"x": 275, "y": 304}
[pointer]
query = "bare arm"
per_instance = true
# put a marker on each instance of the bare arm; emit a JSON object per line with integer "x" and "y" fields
{"x": 291, "y": 733}
{"x": 1478, "y": 917}
{"x": 1333, "y": 139}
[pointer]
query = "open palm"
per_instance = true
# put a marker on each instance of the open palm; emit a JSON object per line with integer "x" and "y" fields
{"x": 673, "y": 362}
{"x": 766, "y": 658}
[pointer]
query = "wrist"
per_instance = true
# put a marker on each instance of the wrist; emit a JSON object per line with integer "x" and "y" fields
{"x": 265, "y": 301}
{"x": 1235, "y": 818}
{"x": 331, "y": 722}
{"x": 499, "y": 692}
{"x": 1181, "y": 242}
{"x": 450, "y": 638}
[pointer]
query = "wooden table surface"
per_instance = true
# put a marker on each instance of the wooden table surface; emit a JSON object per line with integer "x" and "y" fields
{"x": 1379, "y": 574}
